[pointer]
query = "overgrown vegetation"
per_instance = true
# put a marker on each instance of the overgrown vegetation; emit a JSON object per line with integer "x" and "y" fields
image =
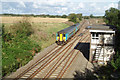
{"x": 17, "y": 48}
{"x": 76, "y": 18}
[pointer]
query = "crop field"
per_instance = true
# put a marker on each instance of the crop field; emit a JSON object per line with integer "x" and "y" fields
{"x": 24, "y": 37}
{"x": 33, "y": 20}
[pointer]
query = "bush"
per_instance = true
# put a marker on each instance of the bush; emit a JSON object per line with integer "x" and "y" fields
{"x": 86, "y": 17}
{"x": 76, "y": 18}
{"x": 22, "y": 27}
{"x": 17, "y": 48}
{"x": 115, "y": 63}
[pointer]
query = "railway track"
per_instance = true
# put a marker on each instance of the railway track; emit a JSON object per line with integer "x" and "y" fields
{"x": 67, "y": 64}
{"x": 55, "y": 59}
{"x": 58, "y": 68}
{"x": 42, "y": 63}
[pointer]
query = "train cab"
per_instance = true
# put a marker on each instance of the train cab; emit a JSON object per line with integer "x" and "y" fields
{"x": 60, "y": 38}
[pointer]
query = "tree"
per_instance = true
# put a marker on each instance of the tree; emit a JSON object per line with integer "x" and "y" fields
{"x": 86, "y": 17}
{"x": 79, "y": 16}
{"x": 111, "y": 17}
{"x": 91, "y": 16}
{"x": 72, "y": 17}
{"x": 64, "y": 16}
{"x": 75, "y": 17}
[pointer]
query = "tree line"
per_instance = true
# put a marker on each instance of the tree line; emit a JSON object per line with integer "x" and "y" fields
{"x": 41, "y": 15}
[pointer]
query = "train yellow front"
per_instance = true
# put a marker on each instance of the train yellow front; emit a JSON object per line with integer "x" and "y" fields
{"x": 63, "y": 36}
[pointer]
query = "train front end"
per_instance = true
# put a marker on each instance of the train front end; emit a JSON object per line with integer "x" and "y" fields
{"x": 61, "y": 38}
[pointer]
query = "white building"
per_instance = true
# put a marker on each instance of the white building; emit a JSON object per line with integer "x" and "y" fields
{"x": 101, "y": 44}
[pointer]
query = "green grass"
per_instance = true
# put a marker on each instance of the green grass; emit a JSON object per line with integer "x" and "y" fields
{"x": 45, "y": 33}
{"x": 22, "y": 40}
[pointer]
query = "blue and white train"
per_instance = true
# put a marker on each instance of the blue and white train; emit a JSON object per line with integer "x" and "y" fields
{"x": 63, "y": 36}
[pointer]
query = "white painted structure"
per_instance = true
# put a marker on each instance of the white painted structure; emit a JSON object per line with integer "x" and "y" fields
{"x": 102, "y": 44}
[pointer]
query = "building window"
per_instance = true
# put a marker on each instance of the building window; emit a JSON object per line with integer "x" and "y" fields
{"x": 95, "y": 36}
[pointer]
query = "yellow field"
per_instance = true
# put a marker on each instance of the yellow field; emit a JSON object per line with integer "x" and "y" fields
{"x": 6, "y": 19}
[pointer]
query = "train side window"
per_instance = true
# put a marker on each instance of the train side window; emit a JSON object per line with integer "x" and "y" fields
{"x": 64, "y": 35}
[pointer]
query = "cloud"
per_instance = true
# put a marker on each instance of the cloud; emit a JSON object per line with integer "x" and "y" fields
{"x": 22, "y": 4}
{"x": 64, "y": 9}
{"x": 35, "y": 5}
{"x": 62, "y": 0}
{"x": 58, "y": 7}
{"x": 114, "y": 5}
{"x": 81, "y": 5}
{"x": 93, "y": 4}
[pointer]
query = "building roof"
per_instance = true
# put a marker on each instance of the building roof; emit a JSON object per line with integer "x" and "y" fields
{"x": 102, "y": 31}
{"x": 101, "y": 28}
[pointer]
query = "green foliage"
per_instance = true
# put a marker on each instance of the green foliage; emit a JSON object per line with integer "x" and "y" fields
{"x": 79, "y": 16}
{"x": 72, "y": 17}
{"x": 86, "y": 17}
{"x": 17, "y": 48}
{"x": 91, "y": 16}
{"x": 75, "y": 17}
{"x": 22, "y": 27}
{"x": 86, "y": 75}
{"x": 64, "y": 16}
{"x": 115, "y": 63}
{"x": 29, "y": 15}
{"x": 112, "y": 17}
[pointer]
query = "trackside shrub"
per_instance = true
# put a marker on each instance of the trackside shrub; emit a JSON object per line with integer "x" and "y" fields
{"x": 17, "y": 48}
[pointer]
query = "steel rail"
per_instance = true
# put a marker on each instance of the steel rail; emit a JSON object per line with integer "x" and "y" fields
{"x": 61, "y": 74}
{"x": 50, "y": 73}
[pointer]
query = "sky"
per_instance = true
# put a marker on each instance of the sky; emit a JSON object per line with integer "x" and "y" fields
{"x": 57, "y": 7}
